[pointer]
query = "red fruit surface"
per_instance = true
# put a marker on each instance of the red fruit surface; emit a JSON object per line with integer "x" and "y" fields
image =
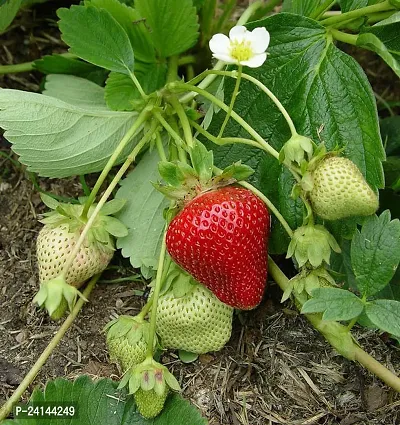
{"x": 221, "y": 239}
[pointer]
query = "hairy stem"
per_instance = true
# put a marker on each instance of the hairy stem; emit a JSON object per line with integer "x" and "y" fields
{"x": 137, "y": 85}
{"x": 7, "y": 407}
{"x": 156, "y": 293}
{"x": 110, "y": 163}
{"x": 248, "y": 13}
{"x": 234, "y": 95}
{"x": 338, "y": 335}
{"x": 160, "y": 148}
{"x": 187, "y": 131}
{"x": 379, "y": 7}
{"x": 169, "y": 129}
{"x": 106, "y": 195}
{"x": 344, "y": 37}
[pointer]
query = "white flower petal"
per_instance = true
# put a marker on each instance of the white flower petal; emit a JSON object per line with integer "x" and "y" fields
{"x": 259, "y": 40}
{"x": 219, "y": 43}
{"x": 238, "y": 33}
{"x": 255, "y": 61}
{"x": 224, "y": 58}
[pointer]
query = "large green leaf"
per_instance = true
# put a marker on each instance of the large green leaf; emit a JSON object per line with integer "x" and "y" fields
{"x": 390, "y": 130}
{"x": 8, "y": 10}
{"x": 385, "y": 314}
{"x": 142, "y": 215}
{"x": 327, "y": 95}
{"x": 375, "y": 253}
{"x": 173, "y": 24}
{"x": 94, "y": 35}
{"x": 100, "y": 403}
{"x": 300, "y": 7}
{"x": 134, "y": 26}
{"x": 347, "y": 5}
{"x": 388, "y": 31}
{"x": 58, "y": 139}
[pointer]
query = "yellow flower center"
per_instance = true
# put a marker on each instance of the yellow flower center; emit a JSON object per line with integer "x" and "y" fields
{"x": 241, "y": 51}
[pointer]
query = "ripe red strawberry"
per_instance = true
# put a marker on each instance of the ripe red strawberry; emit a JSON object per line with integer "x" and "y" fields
{"x": 220, "y": 238}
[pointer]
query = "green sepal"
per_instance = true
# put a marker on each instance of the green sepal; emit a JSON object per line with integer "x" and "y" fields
{"x": 134, "y": 382}
{"x": 113, "y": 206}
{"x": 125, "y": 379}
{"x": 233, "y": 173}
{"x": 295, "y": 149}
{"x": 49, "y": 201}
{"x": 170, "y": 191}
{"x": 313, "y": 244}
{"x": 202, "y": 161}
{"x": 171, "y": 173}
{"x": 114, "y": 227}
{"x": 159, "y": 383}
{"x": 147, "y": 380}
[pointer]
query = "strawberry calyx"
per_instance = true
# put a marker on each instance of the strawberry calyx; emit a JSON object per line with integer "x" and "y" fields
{"x": 183, "y": 182}
{"x": 313, "y": 244}
{"x": 56, "y": 296}
{"x": 104, "y": 227}
{"x": 296, "y": 149}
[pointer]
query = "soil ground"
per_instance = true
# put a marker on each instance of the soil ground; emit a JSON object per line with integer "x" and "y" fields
{"x": 275, "y": 369}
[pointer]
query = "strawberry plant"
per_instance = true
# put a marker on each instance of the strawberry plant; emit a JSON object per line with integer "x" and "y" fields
{"x": 250, "y": 140}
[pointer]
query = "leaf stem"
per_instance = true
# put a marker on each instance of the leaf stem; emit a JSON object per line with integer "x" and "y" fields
{"x": 320, "y": 10}
{"x": 234, "y": 95}
{"x": 131, "y": 157}
{"x": 187, "y": 131}
{"x": 266, "y": 146}
{"x": 344, "y": 37}
{"x": 137, "y": 85}
{"x": 172, "y": 74}
{"x": 7, "y": 407}
{"x": 19, "y": 67}
{"x": 338, "y": 335}
{"x": 110, "y": 163}
{"x": 160, "y": 148}
{"x": 266, "y": 90}
{"x": 248, "y": 13}
{"x": 169, "y": 129}
{"x": 379, "y": 7}
{"x": 186, "y": 60}
{"x": 156, "y": 293}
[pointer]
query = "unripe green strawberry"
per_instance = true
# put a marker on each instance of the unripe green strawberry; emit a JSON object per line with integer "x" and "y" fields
{"x": 127, "y": 340}
{"x": 340, "y": 190}
{"x": 54, "y": 244}
{"x": 197, "y": 322}
{"x": 149, "y": 403}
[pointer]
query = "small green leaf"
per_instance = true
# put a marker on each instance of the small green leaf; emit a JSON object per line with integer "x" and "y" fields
{"x": 113, "y": 206}
{"x": 115, "y": 227}
{"x": 202, "y": 161}
{"x": 95, "y": 36}
{"x": 8, "y": 10}
{"x": 336, "y": 304}
{"x": 133, "y": 24}
{"x": 171, "y": 173}
{"x": 49, "y": 201}
{"x": 385, "y": 314}
{"x": 173, "y": 24}
{"x": 187, "y": 356}
{"x": 237, "y": 172}
{"x": 142, "y": 214}
{"x": 375, "y": 253}
{"x": 372, "y": 42}
{"x": 57, "y": 64}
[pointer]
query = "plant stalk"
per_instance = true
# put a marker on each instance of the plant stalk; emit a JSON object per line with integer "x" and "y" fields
{"x": 379, "y": 7}
{"x": 137, "y": 85}
{"x": 344, "y": 37}
{"x": 187, "y": 131}
{"x": 7, "y": 407}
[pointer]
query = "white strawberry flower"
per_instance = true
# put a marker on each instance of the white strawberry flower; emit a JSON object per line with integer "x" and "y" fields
{"x": 242, "y": 47}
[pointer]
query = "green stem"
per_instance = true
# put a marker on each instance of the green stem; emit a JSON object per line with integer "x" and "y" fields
{"x": 146, "y": 308}
{"x": 19, "y": 67}
{"x": 224, "y": 140}
{"x": 234, "y": 94}
{"x": 187, "y": 131}
{"x": 380, "y": 16}
{"x": 344, "y": 37}
{"x": 160, "y": 148}
{"x": 320, "y": 10}
{"x": 138, "y": 85}
{"x": 172, "y": 74}
{"x": 110, "y": 163}
{"x": 352, "y": 323}
{"x": 266, "y": 90}
{"x": 169, "y": 129}
{"x": 336, "y": 334}
{"x": 226, "y": 14}
{"x": 131, "y": 157}
{"x": 186, "y": 60}
{"x": 85, "y": 187}
{"x": 270, "y": 205}
{"x": 7, "y": 407}
{"x": 379, "y": 7}
{"x": 248, "y": 13}
{"x": 156, "y": 293}
{"x": 266, "y": 146}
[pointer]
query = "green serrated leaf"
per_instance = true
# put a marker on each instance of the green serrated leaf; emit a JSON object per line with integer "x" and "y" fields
{"x": 56, "y": 139}
{"x": 372, "y": 42}
{"x": 321, "y": 88}
{"x": 95, "y": 36}
{"x": 57, "y": 64}
{"x": 8, "y": 10}
{"x": 347, "y": 5}
{"x": 173, "y": 24}
{"x": 134, "y": 26}
{"x": 388, "y": 31}
{"x": 171, "y": 173}
{"x": 142, "y": 214}
{"x": 237, "y": 172}
{"x": 335, "y": 304}
{"x": 101, "y": 403}
{"x": 385, "y": 314}
{"x": 375, "y": 253}
{"x": 75, "y": 91}
{"x": 300, "y": 7}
